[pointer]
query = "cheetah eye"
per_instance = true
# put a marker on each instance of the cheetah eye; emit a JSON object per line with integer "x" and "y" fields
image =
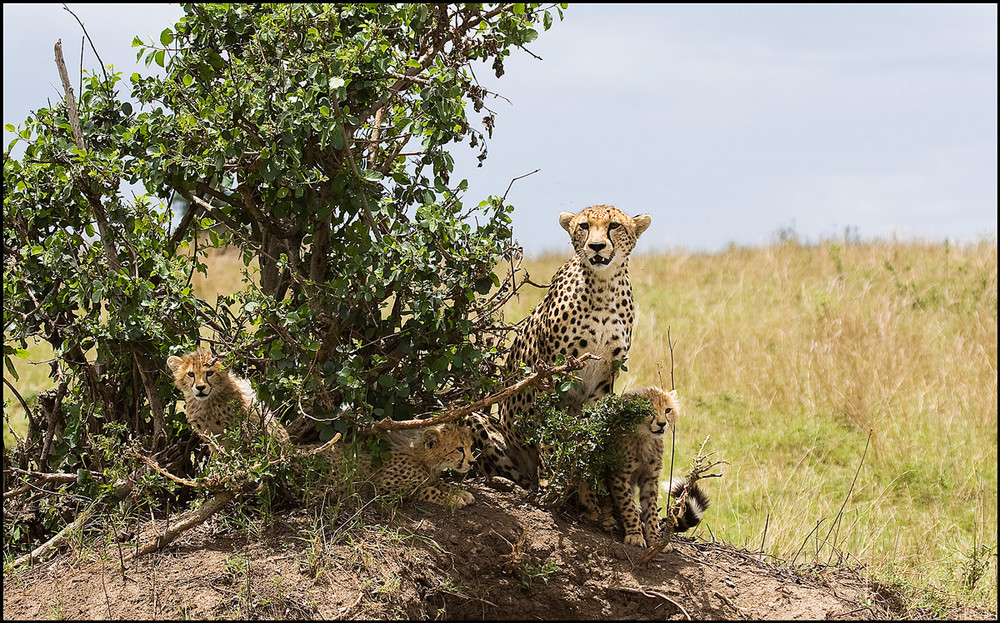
{"x": 209, "y": 372}
{"x": 668, "y": 410}
{"x": 584, "y": 226}
{"x": 191, "y": 374}
{"x": 614, "y": 225}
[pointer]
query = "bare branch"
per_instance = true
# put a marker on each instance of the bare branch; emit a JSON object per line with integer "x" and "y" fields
{"x": 92, "y": 46}
{"x": 71, "y": 110}
{"x": 544, "y": 373}
{"x": 519, "y": 177}
{"x": 192, "y": 519}
{"x": 62, "y": 535}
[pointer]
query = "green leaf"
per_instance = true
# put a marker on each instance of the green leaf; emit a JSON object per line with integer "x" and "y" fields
{"x": 166, "y": 37}
{"x": 10, "y": 368}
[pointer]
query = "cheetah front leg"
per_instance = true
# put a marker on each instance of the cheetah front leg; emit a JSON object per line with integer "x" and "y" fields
{"x": 443, "y": 496}
{"x": 621, "y": 493}
{"x": 588, "y": 501}
{"x": 648, "y": 497}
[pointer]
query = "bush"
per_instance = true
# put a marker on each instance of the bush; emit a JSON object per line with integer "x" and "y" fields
{"x": 313, "y": 138}
{"x": 583, "y": 446}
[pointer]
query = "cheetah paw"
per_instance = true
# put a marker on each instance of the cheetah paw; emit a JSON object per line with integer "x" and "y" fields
{"x": 635, "y": 539}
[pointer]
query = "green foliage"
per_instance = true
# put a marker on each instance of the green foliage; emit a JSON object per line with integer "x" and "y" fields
{"x": 318, "y": 135}
{"x": 527, "y": 573}
{"x": 313, "y": 137}
{"x": 584, "y": 446}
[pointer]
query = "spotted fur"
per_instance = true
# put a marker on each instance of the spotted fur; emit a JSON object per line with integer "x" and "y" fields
{"x": 214, "y": 397}
{"x": 588, "y": 308}
{"x": 418, "y": 459}
{"x": 643, "y": 455}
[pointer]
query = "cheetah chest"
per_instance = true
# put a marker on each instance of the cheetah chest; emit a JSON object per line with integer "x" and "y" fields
{"x": 602, "y": 326}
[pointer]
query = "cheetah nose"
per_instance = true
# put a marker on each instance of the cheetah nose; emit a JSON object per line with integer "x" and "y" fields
{"x": 200, "y": 388}
{"x": 597, "y": 246}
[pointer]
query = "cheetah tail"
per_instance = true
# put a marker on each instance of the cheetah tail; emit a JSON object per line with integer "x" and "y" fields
{"x": 697, "y": 503}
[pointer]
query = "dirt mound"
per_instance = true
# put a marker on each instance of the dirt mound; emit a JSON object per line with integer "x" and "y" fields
{"x": 499, "y": 559}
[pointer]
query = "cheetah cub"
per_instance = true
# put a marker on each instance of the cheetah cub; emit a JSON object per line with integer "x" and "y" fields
{"x": 418, "y": 459}
{"x": 643, "y": 454}
{"x": 212, "y": 395}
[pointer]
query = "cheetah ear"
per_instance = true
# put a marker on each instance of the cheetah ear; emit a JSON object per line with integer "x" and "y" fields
{"x": 431, "y": 438}
{"x": 173, "y": 362}
{"x": 641, "y": 223}
{"x": 565, "y": 218}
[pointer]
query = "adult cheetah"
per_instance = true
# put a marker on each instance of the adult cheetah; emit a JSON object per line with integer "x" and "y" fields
{"x": 588, "y": 308}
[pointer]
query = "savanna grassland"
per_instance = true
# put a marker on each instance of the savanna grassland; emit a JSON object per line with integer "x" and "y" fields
{"x": 851, "y": 386}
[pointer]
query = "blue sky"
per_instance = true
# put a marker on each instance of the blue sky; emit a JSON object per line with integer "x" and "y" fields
{"x": 725, "y": 123}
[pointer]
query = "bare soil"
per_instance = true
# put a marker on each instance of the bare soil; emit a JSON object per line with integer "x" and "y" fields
{"x": 501, "y": 558}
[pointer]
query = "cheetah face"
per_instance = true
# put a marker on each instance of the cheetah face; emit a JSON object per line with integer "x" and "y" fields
{"x": 603, "y": 236}
{"x": 658, "y": 423}
{"x": 665, "y": 406}
{"x": 450, "y": 447}
{"x": 196, "y": 374}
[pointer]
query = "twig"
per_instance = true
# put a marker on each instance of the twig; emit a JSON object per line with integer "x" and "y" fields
{"x": 323, "y": 448}
{"x": 806, "y": 540}
{"x": 670, "y": 345}
{"x": 648, "y": 592}
{"x": 840, "y": 513}
{"x": 57, "y": 540}
{"x": 346, "y": 609}
{"x": 677, "y": 509}
{"x": 92, "y": 47}
{"x": 156, "y": 467}
{"x": 193, "y": 519}
{"x": 24, "y": 405}
{"x": 519, "y": 177}
{"x": 42, "y": 478}
{"x": 572, "y": 364}
{"x": 731, "y": 604}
